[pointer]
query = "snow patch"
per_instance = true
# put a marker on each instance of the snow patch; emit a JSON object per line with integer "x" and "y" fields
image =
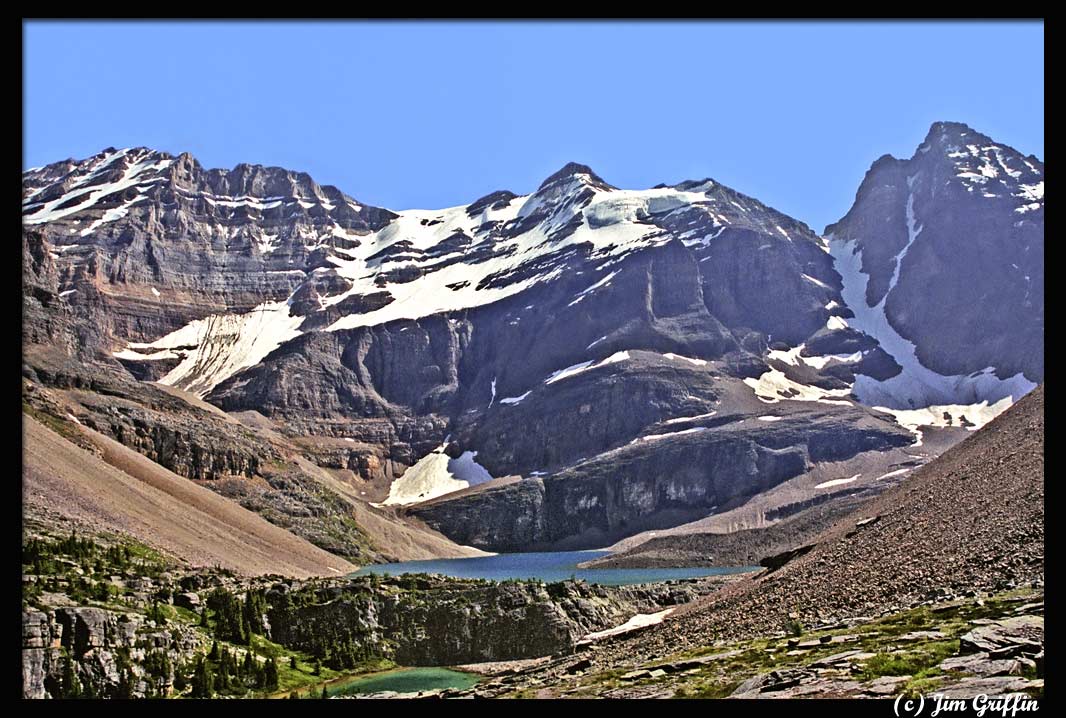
{"x": 968, "y": 416}
{"x": 915, "y": 386}
{"x": 575, "y": 369}
{"x": 690, "y": 360}
{"x": 837, "y": 482}
{"x": 641, "y": 620}
{"x": 267, "y": 243}
{"x": 773, "y": 386}
{"x": 602, "y": 283}
{"x": 656, "y": 437}
{"x": 217, "y": 347}
{"x": 682, "y": 419}
{"x": 816, "y": 282}
{"x": 794, "y": 357}
{"x": 131, "y": 176}
{"x": 435, "y": 474}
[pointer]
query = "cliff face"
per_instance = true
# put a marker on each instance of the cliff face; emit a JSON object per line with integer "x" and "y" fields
{"x": 627, "y": 490}
{"x": 103, "y": 649}
{"x": 951, "y": 242}
{"x": 430, "y": 621}
{"x": 165, "y": 241}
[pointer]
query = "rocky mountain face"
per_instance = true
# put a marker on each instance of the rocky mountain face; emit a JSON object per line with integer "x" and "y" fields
{"x": 888, "y": 556}
{"x": 626, "y": 490}
{"x": 950, "y": 247}
{"x": 166, "y": 241}
{"x": 629, "y": 358}
{"x": 98, "y": 640}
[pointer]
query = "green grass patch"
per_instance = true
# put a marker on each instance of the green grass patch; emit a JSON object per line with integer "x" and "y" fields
{"x": 921, "y": 686}
{"x": 713, "y": 688}
{"x": 920, "y": 662}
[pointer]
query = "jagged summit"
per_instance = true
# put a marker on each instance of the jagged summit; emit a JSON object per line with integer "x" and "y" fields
{"x": 954, "y": 231}
{"x": 957, "y": 129}
{"x": 495, "y": 200}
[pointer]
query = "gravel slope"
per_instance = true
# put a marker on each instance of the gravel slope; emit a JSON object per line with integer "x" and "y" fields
{"x": 973, "y": 519}
{"x": 121, "y": 490}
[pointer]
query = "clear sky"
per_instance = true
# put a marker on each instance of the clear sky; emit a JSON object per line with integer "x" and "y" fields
{"x": 430, "y": 115}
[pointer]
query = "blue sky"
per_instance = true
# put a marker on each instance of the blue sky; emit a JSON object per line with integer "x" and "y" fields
{"x": 428, "y": 115}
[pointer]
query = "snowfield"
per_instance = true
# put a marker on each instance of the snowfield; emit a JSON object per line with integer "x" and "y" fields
{"x": 434, "y": 475}
{"x": 222, "y": 345}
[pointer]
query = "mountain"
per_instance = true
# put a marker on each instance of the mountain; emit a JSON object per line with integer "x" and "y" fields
{"x": 562, "y": 368}
{"x": 890, "y": 551}
{"x": 942, "y": 257}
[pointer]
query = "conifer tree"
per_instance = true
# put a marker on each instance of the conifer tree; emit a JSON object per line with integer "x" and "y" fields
{"x": 222, "y": 680}
{"x": 270, "y": 675}
{"x": 71, "y": 686}
{"x": 203, "y": 682}
{"x": 125, "y": 684}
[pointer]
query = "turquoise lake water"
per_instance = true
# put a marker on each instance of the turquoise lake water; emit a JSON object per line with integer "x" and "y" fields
{"x": 406, "y": 680}
{"x": 547, "y": 566}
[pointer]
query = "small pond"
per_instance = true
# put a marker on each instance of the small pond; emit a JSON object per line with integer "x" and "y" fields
{"x": 405, "y": 680}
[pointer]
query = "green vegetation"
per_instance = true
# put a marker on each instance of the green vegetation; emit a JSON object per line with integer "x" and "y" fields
{"x": 67, "y": 429}
{"x": 234, "y": 620}
{"x": 83, "y": 568}
{"x": 920, "y": 662}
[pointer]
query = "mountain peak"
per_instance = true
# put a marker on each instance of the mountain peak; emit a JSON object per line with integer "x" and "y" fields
{"x": 945, "y": 134}
{"x": 572, "y": 169}
{"x": 941, "y": 127}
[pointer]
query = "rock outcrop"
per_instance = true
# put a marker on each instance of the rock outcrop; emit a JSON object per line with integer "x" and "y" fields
{"x": 430, "y": 621}
{"x": 101, "y": 649}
